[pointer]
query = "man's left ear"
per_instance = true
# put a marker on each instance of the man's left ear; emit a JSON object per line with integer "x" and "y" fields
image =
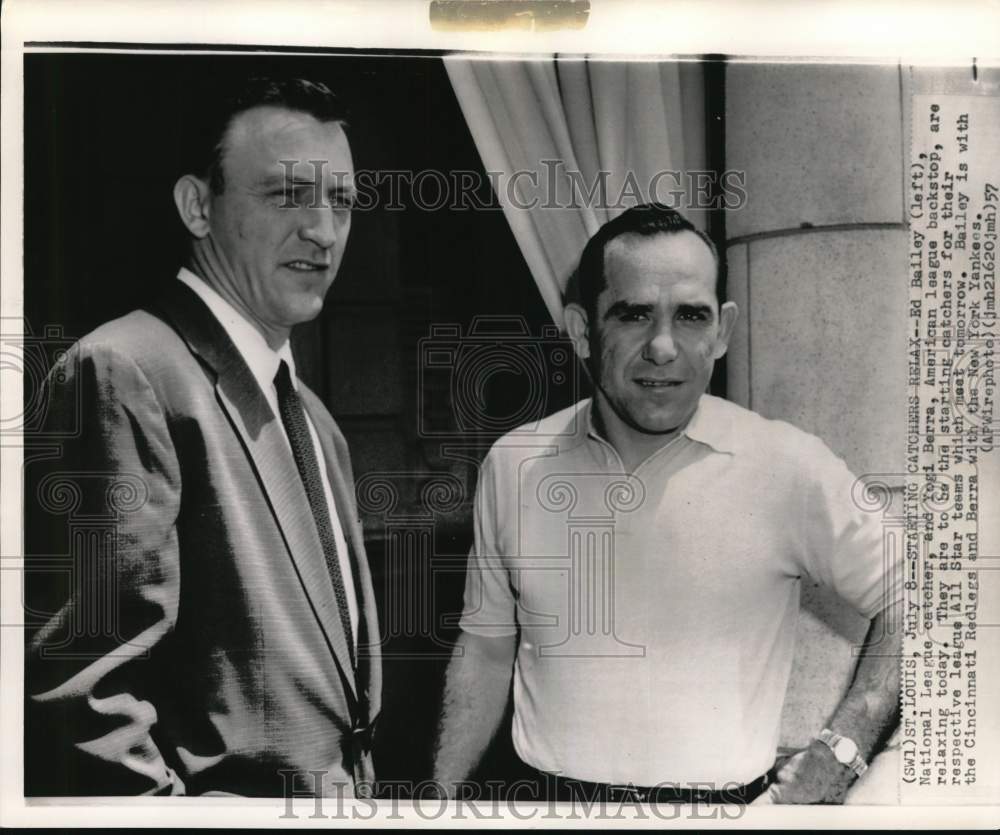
{"x": 727, "y": 321}
{"x": 576, "y": 326}
{"x": 192, "y": 199}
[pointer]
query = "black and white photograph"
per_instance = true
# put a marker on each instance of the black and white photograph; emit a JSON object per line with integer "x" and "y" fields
{"x": 515, "y": 413}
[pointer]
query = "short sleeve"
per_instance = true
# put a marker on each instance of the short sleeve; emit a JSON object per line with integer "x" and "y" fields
{"x": 489, "y": 604}
{"x": 845, "y": 547}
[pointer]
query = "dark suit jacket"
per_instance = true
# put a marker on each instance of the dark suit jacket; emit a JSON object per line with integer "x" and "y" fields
{"x": 187, "y": 636}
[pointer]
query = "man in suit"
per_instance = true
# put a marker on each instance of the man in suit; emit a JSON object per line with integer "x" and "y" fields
{"x": 216, "y": 630}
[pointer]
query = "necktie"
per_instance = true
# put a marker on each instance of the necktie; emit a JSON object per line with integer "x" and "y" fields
{"x": 294, "y": 419}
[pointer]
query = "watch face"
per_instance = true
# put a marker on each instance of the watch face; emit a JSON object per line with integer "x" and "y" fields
{"x": 845, "y": 750}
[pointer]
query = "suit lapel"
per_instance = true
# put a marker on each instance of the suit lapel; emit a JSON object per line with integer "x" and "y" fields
{"x": 341, "y": 479}
{"x": 258, "y": 428}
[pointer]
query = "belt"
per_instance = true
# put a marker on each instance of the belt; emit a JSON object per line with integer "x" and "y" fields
{"x": 567, "y": 788}
{"x": 361, "y": 738}
{"x": 362, "y": 735}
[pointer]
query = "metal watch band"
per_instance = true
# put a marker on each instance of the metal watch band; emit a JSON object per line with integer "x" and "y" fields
{"x": 830, "y": 740}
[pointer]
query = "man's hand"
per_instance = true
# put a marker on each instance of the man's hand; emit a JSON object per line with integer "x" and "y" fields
{"x": 813, "y": 775}
{"x": 867, "y": 715}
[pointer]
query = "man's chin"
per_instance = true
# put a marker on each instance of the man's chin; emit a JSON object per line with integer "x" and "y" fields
{"x": 660, "y": 428}
{"x": 647, "y": 418}
{"x": 305, "y": 311}
{"x": 659, "y": 423}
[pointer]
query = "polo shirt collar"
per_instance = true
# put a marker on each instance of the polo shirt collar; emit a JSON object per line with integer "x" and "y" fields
{"x": 710, "y": 424}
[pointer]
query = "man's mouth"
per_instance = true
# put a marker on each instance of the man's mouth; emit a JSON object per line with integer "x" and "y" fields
{"x": 303, "y": 266}
{"x": 650, "y": 382}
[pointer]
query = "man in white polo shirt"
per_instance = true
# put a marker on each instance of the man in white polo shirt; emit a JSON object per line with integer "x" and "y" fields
{"x": 638, "y": 561}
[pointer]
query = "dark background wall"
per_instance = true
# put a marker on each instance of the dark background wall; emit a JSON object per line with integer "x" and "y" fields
{"x": 102, "y": 133}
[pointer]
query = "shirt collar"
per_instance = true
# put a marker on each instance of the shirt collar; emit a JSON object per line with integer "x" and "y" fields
{"x": 249, "y": 342}
{"x": 710, "y": 424}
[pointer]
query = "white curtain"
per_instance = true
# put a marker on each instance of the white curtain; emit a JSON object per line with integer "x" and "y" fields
{"x": 547, "y": 128}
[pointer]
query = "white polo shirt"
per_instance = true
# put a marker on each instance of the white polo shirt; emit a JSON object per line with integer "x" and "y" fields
{"x": 657, "y": 610}
{"x": 263, "y": 363}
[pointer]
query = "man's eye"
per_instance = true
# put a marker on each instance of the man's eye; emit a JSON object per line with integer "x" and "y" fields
{"x": 632, "y": 317}
{"x": 292, "y": 198}
{"x": 341, "y": 201}
{"x": 692, "y": 316}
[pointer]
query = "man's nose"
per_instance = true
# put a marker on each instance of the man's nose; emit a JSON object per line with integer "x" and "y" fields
{"x": 660, "y": 347}
{"x": 320, "y": 225}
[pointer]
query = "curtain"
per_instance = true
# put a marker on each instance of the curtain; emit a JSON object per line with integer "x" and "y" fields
{"x": 571, "y": 143}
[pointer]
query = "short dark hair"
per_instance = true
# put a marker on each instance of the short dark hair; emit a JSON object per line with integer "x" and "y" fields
{"x": 226, "y": 99}
{"x": 646, "y": 219}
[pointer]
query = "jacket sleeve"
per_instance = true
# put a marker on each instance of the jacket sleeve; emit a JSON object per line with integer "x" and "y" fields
{"x": 102, "y": 582}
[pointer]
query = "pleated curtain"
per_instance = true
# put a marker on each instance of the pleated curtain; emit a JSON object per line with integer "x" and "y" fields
{"x": 547, "y": 127}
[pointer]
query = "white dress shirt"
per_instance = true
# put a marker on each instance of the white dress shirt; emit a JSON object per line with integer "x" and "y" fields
{"x": 263, "y": 363}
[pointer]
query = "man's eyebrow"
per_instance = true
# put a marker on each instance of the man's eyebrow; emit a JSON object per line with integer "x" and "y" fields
{"x": 279, "y": 180}
{"x": 697, "y": 307}
{"x": 622, "y": 306}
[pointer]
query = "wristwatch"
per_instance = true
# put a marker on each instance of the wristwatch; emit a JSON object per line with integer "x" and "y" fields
{"x": 844, "y": 749}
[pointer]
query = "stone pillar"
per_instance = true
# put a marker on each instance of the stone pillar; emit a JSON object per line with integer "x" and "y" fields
{"x": 818, "y": 266}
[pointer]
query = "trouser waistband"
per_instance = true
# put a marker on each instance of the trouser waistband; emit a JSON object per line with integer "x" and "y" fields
{"x": 568, "y": 788}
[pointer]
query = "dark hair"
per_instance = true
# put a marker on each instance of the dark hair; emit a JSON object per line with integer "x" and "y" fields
{"x": 587, "y": 282}
{"x": 226, "y": 99}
